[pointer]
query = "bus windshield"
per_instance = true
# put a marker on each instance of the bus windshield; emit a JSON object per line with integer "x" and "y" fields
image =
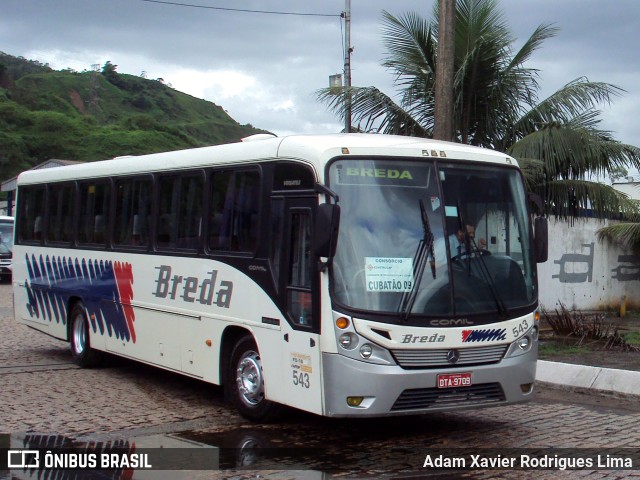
{"x": 6, "y": 235}
{"x": 424, "y": 238}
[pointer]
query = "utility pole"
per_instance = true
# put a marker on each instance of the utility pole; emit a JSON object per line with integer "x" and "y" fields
{"x": 94, "y": 92}
{"x": 347, "y": 66}
{"x": 443, "y": 128}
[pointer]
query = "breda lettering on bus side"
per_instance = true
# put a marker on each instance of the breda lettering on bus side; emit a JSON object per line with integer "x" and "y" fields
{"x": 209, "y": 291}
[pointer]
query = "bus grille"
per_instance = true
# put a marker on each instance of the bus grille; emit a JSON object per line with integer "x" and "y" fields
{"x": 425, "y": 398}
{"x": 438, "y": 357}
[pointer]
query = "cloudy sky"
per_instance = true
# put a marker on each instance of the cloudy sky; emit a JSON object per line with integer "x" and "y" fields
{"x": 264, "y": 68}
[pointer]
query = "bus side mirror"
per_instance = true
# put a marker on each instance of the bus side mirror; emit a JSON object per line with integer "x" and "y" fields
{"x": 326, "y": 229}
{"x": 541, "y": 239}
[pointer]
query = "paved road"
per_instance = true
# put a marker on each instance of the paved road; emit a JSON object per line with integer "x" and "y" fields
{"x": 42, "y": 392}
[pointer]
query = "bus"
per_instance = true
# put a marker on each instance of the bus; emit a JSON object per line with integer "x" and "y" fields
{"x": 6, "y": 246}
{"x": 315, "y": 272}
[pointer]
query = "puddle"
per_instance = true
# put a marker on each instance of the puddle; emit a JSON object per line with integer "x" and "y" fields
{"x": 313, "y": 448}
{"x": 288, "y": 448}
{"x": 30, "y": 456}
{"x": 292, "y": 452}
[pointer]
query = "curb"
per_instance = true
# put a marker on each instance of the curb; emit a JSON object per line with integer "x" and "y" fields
{"x": 606, "y": 380}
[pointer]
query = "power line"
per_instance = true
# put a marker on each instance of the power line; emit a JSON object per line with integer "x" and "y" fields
{"x": 241, "y": 9}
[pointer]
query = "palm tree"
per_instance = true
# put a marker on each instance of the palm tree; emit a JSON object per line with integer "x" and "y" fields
{"x": 556, "y": 140}
{"x": 626, "y": 234}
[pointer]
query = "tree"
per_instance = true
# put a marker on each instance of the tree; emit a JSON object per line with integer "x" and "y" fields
{"x": 109, "y": 69}
{"x": 625, "y": 234}
{"x": 109, "y": 72}
{"x": 618, "y": 172}
{"x": 443, "y": 97}
{"x": 556, "y": 140}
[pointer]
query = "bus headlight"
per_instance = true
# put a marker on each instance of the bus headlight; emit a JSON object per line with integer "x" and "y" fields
{"x": 348, "y": 341}
{"x": 524, "y": 342}
{"x": 534, "y": 333}
{"x": 356, "y": 346}
{"x": 365, "y": 351}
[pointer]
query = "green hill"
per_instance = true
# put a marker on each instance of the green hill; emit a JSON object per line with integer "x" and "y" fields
{"x": 92, "y": 115}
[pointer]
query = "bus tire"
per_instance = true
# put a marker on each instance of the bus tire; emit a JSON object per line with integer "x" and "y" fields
{"x": 79, "y": 338}
{"x": 246, "y": 382}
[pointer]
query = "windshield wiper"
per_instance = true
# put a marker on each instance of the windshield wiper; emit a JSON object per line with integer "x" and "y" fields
{"x": 423, "y": 254}
{"x": 472, "y": 248}
{"x": 502, "y": 309}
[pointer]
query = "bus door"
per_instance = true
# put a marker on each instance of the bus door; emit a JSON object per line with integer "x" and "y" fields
{"x": 299, "y": 298}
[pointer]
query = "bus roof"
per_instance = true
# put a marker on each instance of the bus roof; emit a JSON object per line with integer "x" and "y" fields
{"x": 316, "y": 150}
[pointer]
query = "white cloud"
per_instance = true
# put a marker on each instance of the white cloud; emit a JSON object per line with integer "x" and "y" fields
{"x": 215, "y": 85}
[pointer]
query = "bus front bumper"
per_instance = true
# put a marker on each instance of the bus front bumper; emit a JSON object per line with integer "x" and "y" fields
{"x": 391, "y": 390}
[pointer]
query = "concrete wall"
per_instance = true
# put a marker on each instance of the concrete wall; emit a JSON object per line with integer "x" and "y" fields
{"x": 585, "y": 274}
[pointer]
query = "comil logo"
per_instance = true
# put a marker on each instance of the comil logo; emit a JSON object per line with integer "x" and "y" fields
{"x": 23, "y": 459}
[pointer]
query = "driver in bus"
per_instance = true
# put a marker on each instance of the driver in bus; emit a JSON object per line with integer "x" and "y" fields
{"x": 456, "y": 240}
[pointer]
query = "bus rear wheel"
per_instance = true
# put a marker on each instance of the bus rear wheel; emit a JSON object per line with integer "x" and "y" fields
{"x": 246, "y": 382}
{"x": 79, "y": 338}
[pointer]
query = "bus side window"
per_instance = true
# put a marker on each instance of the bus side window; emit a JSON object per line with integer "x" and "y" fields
{"x": 98, "y": 229}
{"x": 60, "y": 213}
{"x": 167, "y": 202}
{"x": 275, "y": 249}
{"x": 190, "y": 211}
{"x": 31, "y": 213}
{"x": 235, "y": 211}
{"x": 133, "y": 207}
{"x": 37, "y": 228}
{"x": 299, "y": 296}
{"x": 180, "y": 209}
{"x": 94, "y": 213}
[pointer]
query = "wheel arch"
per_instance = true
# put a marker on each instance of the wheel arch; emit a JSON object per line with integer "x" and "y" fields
{"x": 230, "y": 337}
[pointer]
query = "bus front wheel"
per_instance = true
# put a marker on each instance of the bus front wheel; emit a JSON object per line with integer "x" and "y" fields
{"x": 79, "y": 338}
{"x": 246, "y": 382}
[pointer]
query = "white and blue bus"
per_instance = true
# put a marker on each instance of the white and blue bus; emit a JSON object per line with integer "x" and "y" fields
{"x": 345, "y": 275}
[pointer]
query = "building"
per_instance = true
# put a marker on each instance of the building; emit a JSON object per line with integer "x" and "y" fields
{"x": 629, "y": 185}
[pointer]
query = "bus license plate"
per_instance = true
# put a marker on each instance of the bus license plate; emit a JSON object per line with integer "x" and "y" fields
{"x": 450, "y": 380}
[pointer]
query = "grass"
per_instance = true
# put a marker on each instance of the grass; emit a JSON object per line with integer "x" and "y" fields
{"x": 596, "y": 329}
{"x": 596, "y": 339}
{"x": 632, "y": 338}
{"x": 555, "y": 348}
{"x": 90, "y": 116}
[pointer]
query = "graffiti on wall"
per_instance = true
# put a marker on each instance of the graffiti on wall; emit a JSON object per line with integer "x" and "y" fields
{"x": 628, "y": 269}
{"x": 578, "y": 261}
{"x": 578, "y": 267}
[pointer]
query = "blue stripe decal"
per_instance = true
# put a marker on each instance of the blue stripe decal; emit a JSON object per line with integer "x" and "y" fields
{"x": 53, "y": 280}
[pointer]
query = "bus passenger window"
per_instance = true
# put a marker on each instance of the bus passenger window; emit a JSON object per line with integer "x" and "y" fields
{"x": 133, "y": 204}
{"x": 94, "y": 213}
{"x": 98, "y": 229}
{"x": 60, "y": 213}
{"x": 31, "y": 213}
{"x": 180, "y": 210}
{"x": 235, "y": 209}
{"x": 190, "y": 212}
{"x": 37, "y": 228}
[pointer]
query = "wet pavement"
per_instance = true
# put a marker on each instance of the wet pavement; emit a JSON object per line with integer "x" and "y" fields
{"x": 185, "y": 427}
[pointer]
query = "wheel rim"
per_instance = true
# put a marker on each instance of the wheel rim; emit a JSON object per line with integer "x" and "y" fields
{"x": 249, "y": 379}
{"x": 79, "y": 334}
